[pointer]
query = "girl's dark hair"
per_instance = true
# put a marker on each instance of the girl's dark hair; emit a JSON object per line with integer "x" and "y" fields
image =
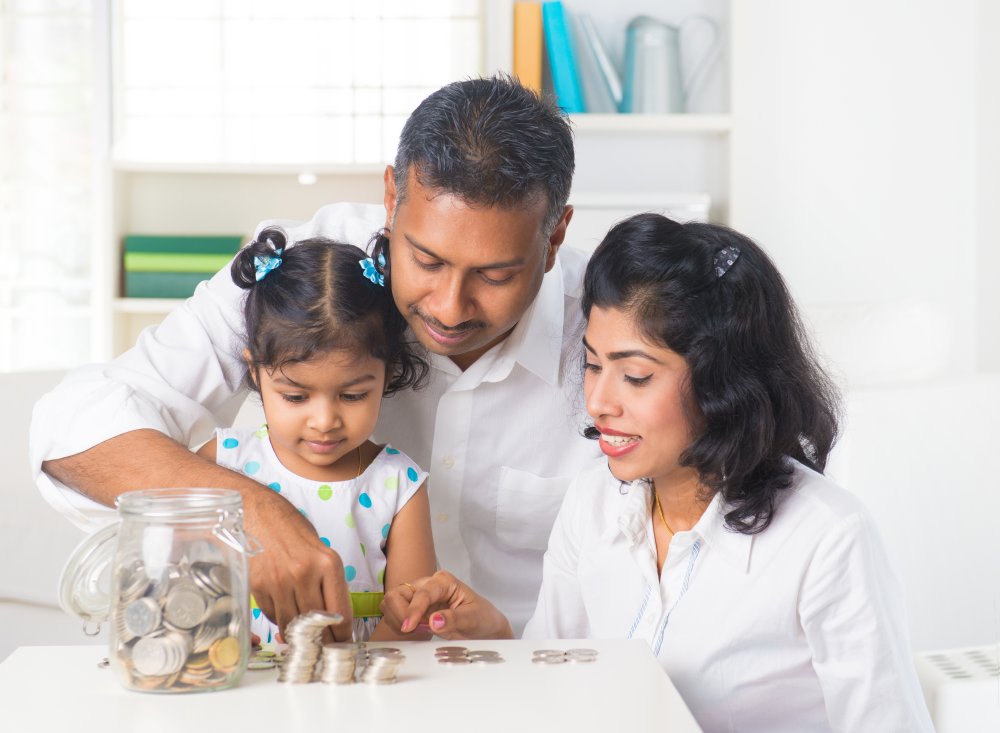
{"x": 319, "y": 300}
{"x": 760, "y": 392}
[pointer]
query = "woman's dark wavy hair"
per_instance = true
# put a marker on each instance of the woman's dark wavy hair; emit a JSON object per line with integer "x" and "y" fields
{"x": 316, "y": 301}
{"x": 761, "y": 395}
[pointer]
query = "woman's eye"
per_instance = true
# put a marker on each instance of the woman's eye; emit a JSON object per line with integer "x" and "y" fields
{"x": 588, "y": 367}
{"x": 638, "y": 381}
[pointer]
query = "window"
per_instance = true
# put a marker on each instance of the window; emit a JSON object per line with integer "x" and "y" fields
{"x": 282, "y": 82}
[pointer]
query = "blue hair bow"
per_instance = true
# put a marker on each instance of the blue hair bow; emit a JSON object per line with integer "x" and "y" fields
{"x": 369, "y": 270}
{"x": 264, "y": 265}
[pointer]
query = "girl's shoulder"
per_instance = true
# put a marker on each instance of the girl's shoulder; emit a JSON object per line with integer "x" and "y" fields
{"x": 394, "y": 462}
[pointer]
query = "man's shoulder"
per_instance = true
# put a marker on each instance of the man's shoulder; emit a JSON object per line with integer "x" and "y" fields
{"x": 353, "y": 223}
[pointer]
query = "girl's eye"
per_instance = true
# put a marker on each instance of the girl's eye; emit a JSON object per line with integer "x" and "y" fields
{"x": 294, "y": 398}
{"x": 638, "y": 381}
{"x": 354, "y": 396}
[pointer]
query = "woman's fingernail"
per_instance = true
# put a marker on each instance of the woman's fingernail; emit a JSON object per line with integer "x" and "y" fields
{"x": 437, "y": 621}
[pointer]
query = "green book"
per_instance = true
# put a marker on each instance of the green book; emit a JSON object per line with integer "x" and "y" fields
{"x": 183, "y": 244}
{"x": 174, "y": 262}
{"x": 163, "y": 284}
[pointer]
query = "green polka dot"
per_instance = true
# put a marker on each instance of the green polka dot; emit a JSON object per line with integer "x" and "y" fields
{"x": 349, "y": 521}
{"x": 381, "y": 576}
{"x": 364, "y": 552}
{"x": 324, "y": 492}
{"x": 392, "y": 483}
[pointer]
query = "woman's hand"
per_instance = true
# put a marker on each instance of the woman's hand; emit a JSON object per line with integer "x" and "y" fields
{"x": 446, "y": 606}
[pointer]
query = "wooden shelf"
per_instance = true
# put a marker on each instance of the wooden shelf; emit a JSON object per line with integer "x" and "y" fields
{"x": 699, "y": 124}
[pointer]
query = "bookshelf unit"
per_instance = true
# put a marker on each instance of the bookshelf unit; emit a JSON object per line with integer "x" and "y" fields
{"x": 617, "y": 154}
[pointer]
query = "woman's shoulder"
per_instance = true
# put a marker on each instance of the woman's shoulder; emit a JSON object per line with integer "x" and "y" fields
{"x": 817, "y": 501}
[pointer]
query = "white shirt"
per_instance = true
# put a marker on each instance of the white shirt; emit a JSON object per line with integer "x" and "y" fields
{"x": 501, "y": 440}
{"x": 800, "y": 628}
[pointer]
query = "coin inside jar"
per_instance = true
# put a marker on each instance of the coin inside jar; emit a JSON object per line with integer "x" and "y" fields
{"x": 142, "y": 617}
{"x": 184, "y": 606}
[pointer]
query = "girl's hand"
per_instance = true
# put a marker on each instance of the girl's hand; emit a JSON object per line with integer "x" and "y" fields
{"x": 450, "y": 608}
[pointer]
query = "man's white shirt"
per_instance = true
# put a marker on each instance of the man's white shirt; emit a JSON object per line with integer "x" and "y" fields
{"x": 501, "y": 440}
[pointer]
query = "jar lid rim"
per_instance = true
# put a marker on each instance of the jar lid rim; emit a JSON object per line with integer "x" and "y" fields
{"x": 178, "y": 502}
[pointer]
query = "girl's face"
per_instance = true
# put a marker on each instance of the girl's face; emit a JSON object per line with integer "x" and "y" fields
{"x": 319, "y": 411}
{"x": 636, "y": 393}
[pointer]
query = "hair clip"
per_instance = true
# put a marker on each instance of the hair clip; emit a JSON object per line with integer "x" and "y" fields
{"x": 371, "y": 272}
{"x": 264, "y": 265}
{"x": 724, "y": 259}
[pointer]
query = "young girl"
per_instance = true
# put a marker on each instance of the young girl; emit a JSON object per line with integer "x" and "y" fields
{"x": 325, "y": 343}
{"x": 761, "y": 586}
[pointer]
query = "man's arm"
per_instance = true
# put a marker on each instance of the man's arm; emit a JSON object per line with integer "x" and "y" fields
{"x": 295, "y": 573}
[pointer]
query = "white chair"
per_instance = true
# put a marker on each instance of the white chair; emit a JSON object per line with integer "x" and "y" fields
{"x": 34, "y": 539}
{"x": 962, "y": 688}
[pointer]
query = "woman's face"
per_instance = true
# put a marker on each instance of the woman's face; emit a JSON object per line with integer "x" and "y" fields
{"x": 636, "y": 393}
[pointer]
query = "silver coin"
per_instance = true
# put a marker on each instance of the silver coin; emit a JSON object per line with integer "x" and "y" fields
{"x": 582, "y": 652}
{"x": 486, "y": 660}
{"x": 185, "y": 606}
{"x": 454, "y": 660}
{"x": 480, "y": 653}
{"x": 142, "y": 617}
{"x": 547, "y": 653}
{"x": 548, "y": 659}
{"x": 451, "y": 649}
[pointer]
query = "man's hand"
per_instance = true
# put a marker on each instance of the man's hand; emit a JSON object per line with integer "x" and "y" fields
{"x": 446, "y": 605}
{"x": 295, "y": 573}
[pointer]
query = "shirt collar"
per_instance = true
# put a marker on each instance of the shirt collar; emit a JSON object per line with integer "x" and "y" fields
{"x": 636, "y": 512}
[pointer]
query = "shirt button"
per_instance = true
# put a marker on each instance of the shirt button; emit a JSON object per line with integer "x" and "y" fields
{"x": 442, "y": 518}
{"x": 448, "y": 461}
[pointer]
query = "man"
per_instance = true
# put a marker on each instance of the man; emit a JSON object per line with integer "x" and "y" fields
{"x": 475, "y": 213}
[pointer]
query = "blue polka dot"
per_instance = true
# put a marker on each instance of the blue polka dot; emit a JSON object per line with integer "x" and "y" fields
{"x": 325, "y": 541}
{"x": 390, "y": 451}
{"x": 385, "y": 531}
{"x": 365, "y": 501}
{"x": 256, "y": 613}
{"x": 275, "y": 485}
{"x": 230, "y": 443}
{"x": 411, "y": 473}
{"x": 350, "y": 573}
{"x": 303, "y": 513}
{"x": 251, "y": 468}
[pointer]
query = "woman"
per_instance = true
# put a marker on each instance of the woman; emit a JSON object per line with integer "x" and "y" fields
{"x": 761, "y": 586}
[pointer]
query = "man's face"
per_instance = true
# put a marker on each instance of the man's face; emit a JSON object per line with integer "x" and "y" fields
{"x": 463, "y": 275}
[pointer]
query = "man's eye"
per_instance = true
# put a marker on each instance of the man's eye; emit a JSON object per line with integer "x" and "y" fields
{"x": 494, "y": 280}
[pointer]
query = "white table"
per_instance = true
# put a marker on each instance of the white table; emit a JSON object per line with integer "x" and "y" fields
{"x": 61, "y": 688}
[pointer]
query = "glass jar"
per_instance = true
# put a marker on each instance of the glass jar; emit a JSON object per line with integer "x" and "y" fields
{"x": 171, "y": 578}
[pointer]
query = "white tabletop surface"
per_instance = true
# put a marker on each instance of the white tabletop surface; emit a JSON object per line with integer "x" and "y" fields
{"x": 61, "y": 688}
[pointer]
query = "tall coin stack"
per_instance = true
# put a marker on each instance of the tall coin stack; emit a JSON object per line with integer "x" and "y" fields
{"x": 303, "y": 654}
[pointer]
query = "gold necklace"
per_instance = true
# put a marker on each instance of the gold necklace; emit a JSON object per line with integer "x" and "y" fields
{"x": 659, "y": 509}
{"x": 359, "y": 460}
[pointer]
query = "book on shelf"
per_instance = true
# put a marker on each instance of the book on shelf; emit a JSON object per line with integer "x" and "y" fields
{"x": 171, "y": 266}
{"x": 528, "y": 45}
{"x": 562, "y": 62}
{"x": 602, "y": 87}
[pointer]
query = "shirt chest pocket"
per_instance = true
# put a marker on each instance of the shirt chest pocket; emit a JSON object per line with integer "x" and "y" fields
{"x": 527, "y": 506}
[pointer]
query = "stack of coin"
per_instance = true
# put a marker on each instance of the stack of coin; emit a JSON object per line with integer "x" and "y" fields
{"x": 460, "y": 655}
{"x": 340, "y": 661}
{"x": 304, "y": 647}
{"x": 180, "y": 629}
{"x": 558, "y": 656}
{"x": 383, "y": 662}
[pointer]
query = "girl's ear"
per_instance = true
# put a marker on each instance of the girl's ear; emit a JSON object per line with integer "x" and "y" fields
{"x": 251, "y": 373}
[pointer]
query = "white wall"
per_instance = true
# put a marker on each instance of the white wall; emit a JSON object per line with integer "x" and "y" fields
{"x": 864, "y": 158}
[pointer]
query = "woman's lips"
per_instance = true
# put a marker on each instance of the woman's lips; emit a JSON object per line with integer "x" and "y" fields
{"x": 615, "y": 444}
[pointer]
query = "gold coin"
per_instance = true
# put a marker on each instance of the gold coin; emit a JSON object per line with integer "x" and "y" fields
{"x": 225, "y": 653}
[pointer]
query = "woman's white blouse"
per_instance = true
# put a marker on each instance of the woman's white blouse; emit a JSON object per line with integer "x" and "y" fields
{"x": 799, "y": 628}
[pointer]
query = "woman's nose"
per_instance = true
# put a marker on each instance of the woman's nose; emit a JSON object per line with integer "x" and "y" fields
{"x": 601, "y": 397}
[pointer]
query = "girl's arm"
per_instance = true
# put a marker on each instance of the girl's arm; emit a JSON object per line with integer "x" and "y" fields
{"x": 409, "y": 553}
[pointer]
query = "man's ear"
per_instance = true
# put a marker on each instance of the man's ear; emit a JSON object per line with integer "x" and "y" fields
{"x": 389, "y": 198}
{"x": 557, "y": 236}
